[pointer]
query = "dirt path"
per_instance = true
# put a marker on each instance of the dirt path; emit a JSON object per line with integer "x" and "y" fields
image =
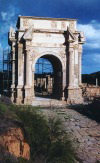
{"x": 85, "y": 132}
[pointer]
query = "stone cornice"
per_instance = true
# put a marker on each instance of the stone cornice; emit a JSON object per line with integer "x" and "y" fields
{"x": 44, "y": 31}
{"x": 47, "y": 18}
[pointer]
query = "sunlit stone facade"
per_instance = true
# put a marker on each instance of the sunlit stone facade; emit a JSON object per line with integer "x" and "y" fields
{"x": 57, "y": 38}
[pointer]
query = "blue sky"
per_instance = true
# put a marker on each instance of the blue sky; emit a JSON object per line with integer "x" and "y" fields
{"x": 87, "y": 12}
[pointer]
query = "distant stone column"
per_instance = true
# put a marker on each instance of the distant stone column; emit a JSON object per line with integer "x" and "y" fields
{"x": 80, "y": 64}
{"x": 74, "y": 91}
{"x": 71, "y": 89}
{"x": 33, "y": 83}
{"x": 13, "y": 72}
{"x": 71, "y": 68}
{"x": 20, "y": 85}
{"x": 29, "y": 80}
{"x": 27, "y": 68}
{"x": 64, "y": 84}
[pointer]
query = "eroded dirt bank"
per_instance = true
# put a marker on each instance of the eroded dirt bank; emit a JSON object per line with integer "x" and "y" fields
{"x": 12, "y": 141}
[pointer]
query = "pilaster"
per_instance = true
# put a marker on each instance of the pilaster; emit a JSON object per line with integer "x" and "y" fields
{"x": 64, "y": 85}
{"x": 71, "y": 68}
{"x": 13, "y": 71}
{"x": 74, "y": 91}
{"x": 29, "y": 84}
{"x": 80, "y": 64}
{"x": 20, "y": 85}
{"x": 19, "y": 99}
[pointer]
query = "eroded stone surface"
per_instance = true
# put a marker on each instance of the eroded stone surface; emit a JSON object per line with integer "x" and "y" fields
{"x": 12, "y": 141}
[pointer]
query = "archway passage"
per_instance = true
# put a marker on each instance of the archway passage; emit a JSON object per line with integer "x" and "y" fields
{"x": 48, "y": 77}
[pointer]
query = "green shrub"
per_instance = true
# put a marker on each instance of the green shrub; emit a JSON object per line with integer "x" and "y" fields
{"x": 47, "y": 139}
{"x": 3, "y": 108}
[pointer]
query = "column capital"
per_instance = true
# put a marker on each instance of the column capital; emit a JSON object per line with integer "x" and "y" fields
{"x": 20, "y": 45}
{"x": 75, "y": 46}
{"x": 80, "y": 48}
{"x": 71, "y": 45}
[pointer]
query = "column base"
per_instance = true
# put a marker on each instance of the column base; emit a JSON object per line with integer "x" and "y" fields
{"x": 27, "y": 101}
{"x": 74, "y": 96}
{"x": 13, "y": 93}
{"x": 63, "y": 97}
{"x": 19, "y": 99}
{"x": 28, "y": 95}
{"x": 13, "y": 97}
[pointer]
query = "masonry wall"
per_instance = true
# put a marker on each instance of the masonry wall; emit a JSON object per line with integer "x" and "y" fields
{"x": 46, "y": 23}
{"x": 90, "y": 92}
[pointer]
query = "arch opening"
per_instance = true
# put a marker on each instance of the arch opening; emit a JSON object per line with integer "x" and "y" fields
{"x": 48, "y": 77}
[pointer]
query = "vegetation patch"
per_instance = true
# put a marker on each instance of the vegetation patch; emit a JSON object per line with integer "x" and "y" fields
{"x": 47, "y": 139}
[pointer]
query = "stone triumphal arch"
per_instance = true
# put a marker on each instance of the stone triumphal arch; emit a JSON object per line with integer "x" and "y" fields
{"x": 54, "y": 39}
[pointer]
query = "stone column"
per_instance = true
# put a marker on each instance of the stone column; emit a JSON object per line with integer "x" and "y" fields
{"x": 27, "y": 67}
{"x": 64, "y": 84}
{"x": 71, "y": 68}
{"x": 71, "y": 96}
{"x": 33, "y": 93}
{"x": 13, "y": 72}
{"x": 74, "y": 91}
{"x": 80, "y": 64}
{"x": 29, "y": 79}
{"x": 19, "y": 99}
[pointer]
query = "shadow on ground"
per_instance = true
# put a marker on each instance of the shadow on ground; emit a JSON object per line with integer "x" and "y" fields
{"x": 91, "y": 110}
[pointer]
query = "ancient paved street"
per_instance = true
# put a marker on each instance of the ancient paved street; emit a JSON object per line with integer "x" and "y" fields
{"x": 85, "y": 132}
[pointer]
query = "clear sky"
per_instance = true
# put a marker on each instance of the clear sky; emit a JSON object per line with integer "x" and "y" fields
{"x": 87, "y": 12}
